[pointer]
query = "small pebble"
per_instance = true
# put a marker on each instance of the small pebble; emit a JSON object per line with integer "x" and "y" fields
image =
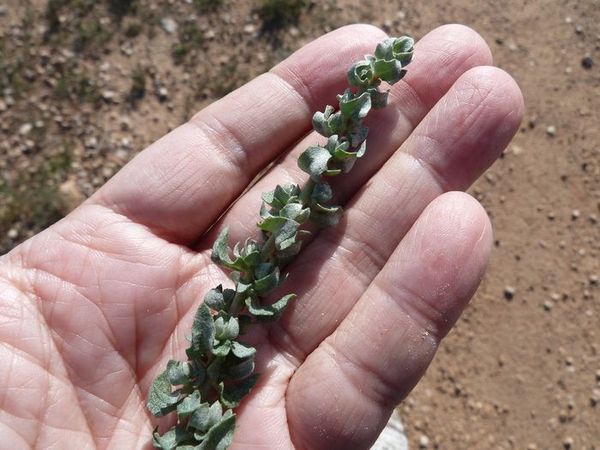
{"x": 568, "y": 443}
{"x": 13, "y": 233}
{"x": 551, "y": 130}
{"x": 548, "y": 305}
{"x": 587, "y": 62}
{"x": 163, "y": 93}
{"x": 575, "y": 214}
{"x": 169, "y": 25}
{"x": 25, "y": 129}
{"x": 423, "y": 441}
{"x": 509, "y": 292}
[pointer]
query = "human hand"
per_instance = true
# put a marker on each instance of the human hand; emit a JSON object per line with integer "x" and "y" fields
{"x": 93, "y": 307}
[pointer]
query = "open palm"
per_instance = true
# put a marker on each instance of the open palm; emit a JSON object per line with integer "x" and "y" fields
{"x": 93, "y": 307}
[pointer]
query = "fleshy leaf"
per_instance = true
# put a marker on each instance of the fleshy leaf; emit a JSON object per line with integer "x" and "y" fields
{"x": 358, "y": 135}
{"x": 272, "y": 223}
{"x": 361, "y": 74}
{"x": 321, "y": 121}
{"x": 222, "y": 350}
{"x": 402, "y": 49}
{"x": 269, "y": 311}
{"x": 189, "y": 404}
{"x": 267, "y": 283}
{"x": 355, "y": 107}
{"x": 220, "y": 250}
{"x": 205, "y": 416}
{"x": 314, "y": 161}
{"x": 226, "y": 329}
{"x": 231, "y": 396}
{"x": 321, "y": 193}
{"x": 286, "y": 235}
{"x": 241, "y": 350}
{"x": 203, "y": 333}
{"x": 379, "y": 99}
{"x": 384, "y": 49}
{"x": 169, "y": 440}
{"x": 220, "y": 436}
{"x": 390, "y": 71}
{"x": 178, "y": 372}
{"x": 214, "y": 298}
{"x": 161, "y": 400}
{"x": 241, "y": 370}
{"x": 325, "y": 216}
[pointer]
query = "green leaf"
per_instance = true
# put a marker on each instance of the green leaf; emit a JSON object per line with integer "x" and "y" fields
{"x": 358, "y": 135}
{"x": 402, "y": 49}
{"x": 218, "y": 298}
{"x": 267, "y": 283}
{"x": 170, "y": 439}
{"x": 321, "y": 193}
{"x": 226, "y": 328}
{"x": 241, "y": 350}
{"x": 355, "y": 108}
{"x": 203, "y": 333}
{"x": 178, "y": 372}
{"x": 269, "y": 311}
{"x": 250, "y": 253}
{"x": 263, "y": 269}
{"x": 314, "y": 161}
{"x": 325, "y": 216}
{"x": 161, "y": 400}
{"x": 321, "y": 121}
{"x": 390, "y": 71}
{"x": 222, "y": 350}
{"x": 205, "y": 416}
{"x": 272, "y": 223}
{"x": 231, "y": 396}
{"x": 240, "y": 370}
{"x": 220, "y": 251}
{"x": 379, "y": 99}
{"x": 189, "y": 404}
{"x": 384, "y": 49}
{"x": 220, "y": 436}
{"x": 214, "y": 298}
{"x": 361, "y": 74}
{"x": 295, "y": 211}
{"x": 286, "y": 235}
{"x": 214, "y": 370}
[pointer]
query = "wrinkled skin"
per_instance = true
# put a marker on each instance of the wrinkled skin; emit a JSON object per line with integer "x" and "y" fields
{"x": 93, "y": 307}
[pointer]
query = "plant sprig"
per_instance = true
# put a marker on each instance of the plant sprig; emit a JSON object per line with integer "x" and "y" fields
{"x": 204, "y": 390}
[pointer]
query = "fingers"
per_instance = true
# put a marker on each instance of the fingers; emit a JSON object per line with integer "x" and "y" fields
{"x": 182, "y": 183}
{"x": 347, "y": 387}
{"x": 467, "y": 129}
{"x": 441, "y": 57}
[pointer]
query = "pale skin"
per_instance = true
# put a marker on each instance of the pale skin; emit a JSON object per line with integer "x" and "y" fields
{"x": 93, "y": 307}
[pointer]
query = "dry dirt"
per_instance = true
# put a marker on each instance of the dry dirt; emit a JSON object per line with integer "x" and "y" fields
{"x": 86, "y": 85}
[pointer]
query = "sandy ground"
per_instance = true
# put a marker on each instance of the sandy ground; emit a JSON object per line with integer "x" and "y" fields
{"x": 522, "y": 368}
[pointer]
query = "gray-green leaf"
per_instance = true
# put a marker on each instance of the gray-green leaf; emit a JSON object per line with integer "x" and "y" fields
{"x": 269, "y": 311}
{"x": 178, "y": 372}
{"x": 231, "y": 396}
{"x": 314, "y": 161}
{"x": 169, "y": 440}
{"x": 161, "y": 400}
{"x": 353, "y": 107}
{"x": 325, "y": 216}
{"x": 203, "y": 333}
{"x": 189, "y": 404}
{"x": 220, "y": 436}
{"x": 242, "y": 351}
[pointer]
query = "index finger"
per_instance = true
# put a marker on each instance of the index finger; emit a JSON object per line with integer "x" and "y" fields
{"x": 181, "y": 184}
